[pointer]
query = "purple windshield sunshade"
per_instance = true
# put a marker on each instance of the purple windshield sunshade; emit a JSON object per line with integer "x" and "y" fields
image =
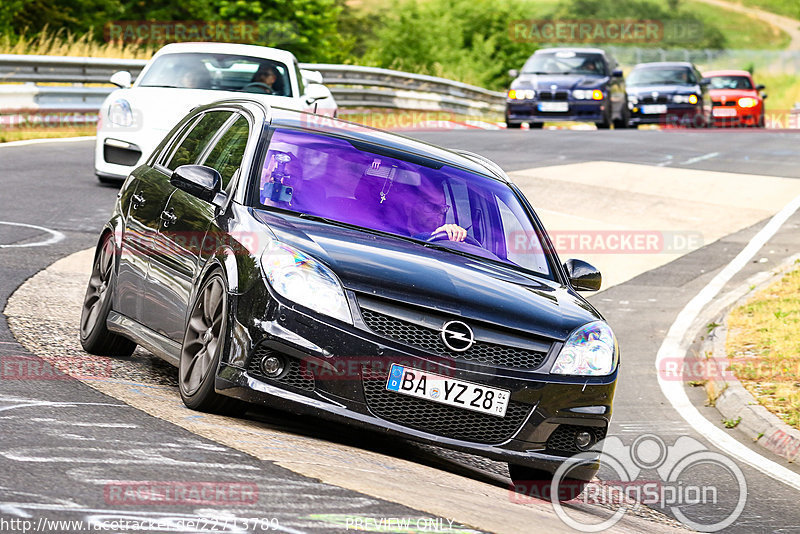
{"x": 329, "y": 177}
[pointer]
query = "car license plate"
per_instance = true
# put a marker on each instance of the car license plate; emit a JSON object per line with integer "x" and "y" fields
{"x": 446, "y": 390}
{"x": 553, "y": 107}
{"x": 723, "y": 112}
{"x": 654, "y": 109}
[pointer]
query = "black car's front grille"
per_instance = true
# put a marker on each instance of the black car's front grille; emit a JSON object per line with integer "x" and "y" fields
{"x": 650, "y": 99}
{"x": 440, "y": 419}
{"x": 562, "y": 440}
{"x": 552, "y": 95}
{"x": 293, "y": 376}
{"x": 430, "y": 340}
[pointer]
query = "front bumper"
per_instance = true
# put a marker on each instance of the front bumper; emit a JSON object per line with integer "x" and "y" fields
{"x": 338, "y": 372}
{"x": 743, "y": 117}
{"x": 518, "y": 112}
{"x": 676, "y": 115}
{"x": 117, "y": 151}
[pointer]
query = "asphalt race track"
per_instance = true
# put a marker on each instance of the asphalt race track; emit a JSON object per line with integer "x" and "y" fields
{"x": 62, "y": 442}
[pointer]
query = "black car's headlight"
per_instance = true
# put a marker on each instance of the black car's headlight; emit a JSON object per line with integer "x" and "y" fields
{"x": 591, "y": 350}
{"x": 588, "y": 94}
{"x": 305, "y": 281}
{"x": 684, "y": 99}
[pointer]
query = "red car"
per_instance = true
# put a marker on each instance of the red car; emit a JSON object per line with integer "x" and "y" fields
{"x": 736, "y": 100}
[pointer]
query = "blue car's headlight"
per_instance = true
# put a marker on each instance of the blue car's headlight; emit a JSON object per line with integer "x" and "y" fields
{"x": 590, "y": 351}
{"x": 684, "y": 99}
{"x": 588, "y": 94}
{"x": 305, "y": 281}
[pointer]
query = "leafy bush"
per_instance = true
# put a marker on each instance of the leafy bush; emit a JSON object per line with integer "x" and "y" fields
{"x": 467, "y": 40}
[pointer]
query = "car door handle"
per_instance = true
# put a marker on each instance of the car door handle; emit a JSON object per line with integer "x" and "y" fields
{"x": 169, "y": 217}
{"x": 138, "y": 201}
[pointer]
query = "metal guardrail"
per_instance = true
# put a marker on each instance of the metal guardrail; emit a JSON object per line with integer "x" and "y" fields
{"x": 352, "y": 86}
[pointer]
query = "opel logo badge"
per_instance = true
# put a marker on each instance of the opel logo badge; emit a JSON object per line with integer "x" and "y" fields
{"x": 553, "y": 87}
{"x": 457, "y": 336}
{"x": 655, "y": 94}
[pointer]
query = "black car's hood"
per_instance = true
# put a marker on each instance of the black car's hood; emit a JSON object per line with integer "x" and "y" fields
{"x": 409, "y": 272}
{"x": 545, "y": 82}
{"x": 662, "y": 89}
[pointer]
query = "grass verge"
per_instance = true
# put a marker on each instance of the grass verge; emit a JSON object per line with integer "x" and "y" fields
{"x": 740, "y": 31}
{"x": 787, "y": 8}
{"x": 764, "y": 347}
{"x": 23, "y": 134}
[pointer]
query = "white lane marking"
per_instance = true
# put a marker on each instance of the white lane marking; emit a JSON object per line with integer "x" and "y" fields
{"x": 48, "y": 140}
{"x": 666, "y": 161}
{"x": 704, "y": 157}
{"x": 672, "y": 347}
{"x": 55, "y": 236}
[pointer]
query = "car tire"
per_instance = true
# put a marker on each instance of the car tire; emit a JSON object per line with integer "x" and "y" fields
{"x": 761, "y": 122}
{"x": 605, "y": 124}
{"x": 535, "y": 125}
{"x": 203, "y": 344}
{"x": 624, "y": 119}
{"x": 532, "y": 481}
{"x": 94, "y": 333}
{"x": 513, "y": 125}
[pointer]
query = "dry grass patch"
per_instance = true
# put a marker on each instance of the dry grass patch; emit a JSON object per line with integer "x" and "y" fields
{"x": 22, "y": 134}
{"x": 764, "y": 346}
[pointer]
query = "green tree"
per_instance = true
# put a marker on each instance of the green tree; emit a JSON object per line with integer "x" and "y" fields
{"x": 468, "y": 40}
{"x": 76, "y": 16}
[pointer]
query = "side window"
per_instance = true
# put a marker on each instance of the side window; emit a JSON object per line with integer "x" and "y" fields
{"x": 193, "y": 144}
{"x": 226, "y": 156}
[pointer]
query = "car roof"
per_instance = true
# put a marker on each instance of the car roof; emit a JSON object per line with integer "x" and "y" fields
{"x": 229, "y": 48}
{"x": 571, "y": 49}
{"x": 727, "y": 72}
{"x": 656, "y": 64}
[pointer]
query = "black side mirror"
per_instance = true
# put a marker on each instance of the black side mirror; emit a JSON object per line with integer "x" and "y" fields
{"x": 760, "y": 87}
{"x": 582, "y": 275}
{"x": 617, "y": 73}
{"x": 200, "y": 181}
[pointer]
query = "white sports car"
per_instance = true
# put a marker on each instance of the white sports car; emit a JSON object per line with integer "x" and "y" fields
{"x": 181, "y": 76}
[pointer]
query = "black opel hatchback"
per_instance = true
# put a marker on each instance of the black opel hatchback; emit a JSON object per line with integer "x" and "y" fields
{"x": 343, "y": 272}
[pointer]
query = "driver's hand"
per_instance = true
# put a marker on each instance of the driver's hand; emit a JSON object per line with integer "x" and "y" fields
{"x": 454, "y": 232}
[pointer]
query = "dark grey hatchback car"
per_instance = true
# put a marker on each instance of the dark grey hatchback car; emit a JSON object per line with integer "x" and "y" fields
{"x": 321, "y": 267}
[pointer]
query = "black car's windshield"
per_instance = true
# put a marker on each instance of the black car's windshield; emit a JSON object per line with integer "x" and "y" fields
{"x": 661, "y": 76}
{"x": 365, "y": 186}
{"x": 565, "y": 62}
{"x": 222, "y": 72}
{"x": 730, "y": 82}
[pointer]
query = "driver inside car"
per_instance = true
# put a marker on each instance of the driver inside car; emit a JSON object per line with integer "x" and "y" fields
{"x": 265, "y": 80}
{"x": 428, "y": 209}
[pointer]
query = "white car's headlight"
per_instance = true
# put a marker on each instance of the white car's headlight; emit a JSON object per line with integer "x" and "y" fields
{"x": 120, "y": 113}
{"x": 305, "y": 281}
{"x": 590, "y": 351}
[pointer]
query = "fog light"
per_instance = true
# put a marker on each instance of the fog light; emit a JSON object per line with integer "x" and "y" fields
{"x": 272, "y": 366}
{"x": 583, "y": 440}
